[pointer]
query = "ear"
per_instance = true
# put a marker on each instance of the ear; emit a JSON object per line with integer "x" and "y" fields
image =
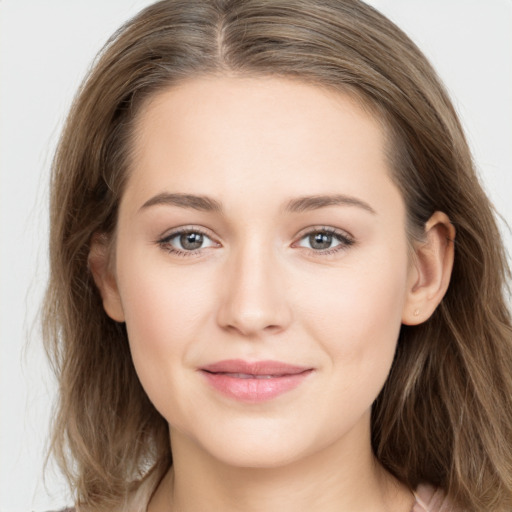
{"x": 104, "y": 277}
{"x": 430, "y": 271}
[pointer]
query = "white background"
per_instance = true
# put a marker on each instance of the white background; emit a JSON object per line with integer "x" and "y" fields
{"x": 45, "y": 49}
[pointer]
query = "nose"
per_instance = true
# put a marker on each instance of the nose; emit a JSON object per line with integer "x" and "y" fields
{"x": 254, "y": 299}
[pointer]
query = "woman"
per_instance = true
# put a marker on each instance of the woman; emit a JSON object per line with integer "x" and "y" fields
{"x": 276, "y": 283}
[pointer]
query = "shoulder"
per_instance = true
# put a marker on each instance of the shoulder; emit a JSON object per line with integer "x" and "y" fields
{"x": 431, "y": 499}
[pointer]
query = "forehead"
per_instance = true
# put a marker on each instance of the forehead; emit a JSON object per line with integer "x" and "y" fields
{"x": 258, "y": 99}
{"x": 224, "y": 134}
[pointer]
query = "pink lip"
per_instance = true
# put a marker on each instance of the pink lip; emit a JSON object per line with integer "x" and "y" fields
{"x": 254, "y": 382}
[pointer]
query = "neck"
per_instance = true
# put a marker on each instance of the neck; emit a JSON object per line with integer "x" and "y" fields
{"x": 339, "y": 478}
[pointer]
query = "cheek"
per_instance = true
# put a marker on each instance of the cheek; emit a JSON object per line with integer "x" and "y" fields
{"x": 165, "y": 312}
{"x": 160, "y": 300}
{"x": 356, "y": 319}
{"x": 356, "y": 314}
{"x": 155, "y": 311}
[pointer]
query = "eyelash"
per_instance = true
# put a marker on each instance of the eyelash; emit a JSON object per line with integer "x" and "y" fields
{"x": 344, "y": 238}
{"x": 165, "y": 242}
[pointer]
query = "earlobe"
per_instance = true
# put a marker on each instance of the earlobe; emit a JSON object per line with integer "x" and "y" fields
{"x": 431, "y": 270}
{"x": 104, "y": 277}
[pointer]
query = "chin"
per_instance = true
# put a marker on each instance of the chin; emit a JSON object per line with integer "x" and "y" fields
{"x": 257, "y": 455}
{"x": 263, "y": 444}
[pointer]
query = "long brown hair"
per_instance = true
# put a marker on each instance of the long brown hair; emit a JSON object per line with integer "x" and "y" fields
{"x": 444, "y": 415}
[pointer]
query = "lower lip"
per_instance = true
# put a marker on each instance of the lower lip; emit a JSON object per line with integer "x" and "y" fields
{"x": 255, "y": 390}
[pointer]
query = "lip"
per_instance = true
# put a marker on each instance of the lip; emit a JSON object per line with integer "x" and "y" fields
{"x": 254, "y": 382}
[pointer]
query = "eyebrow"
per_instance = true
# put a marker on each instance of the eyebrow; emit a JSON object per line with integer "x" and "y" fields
{"x": 298, "y": 205}
{"x": 194, "y": 202}
{"x": 307, "y": 203}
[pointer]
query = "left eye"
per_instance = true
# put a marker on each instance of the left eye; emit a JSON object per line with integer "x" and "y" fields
{"x": 323, "y": 240}
{"x": 189, "y": 241}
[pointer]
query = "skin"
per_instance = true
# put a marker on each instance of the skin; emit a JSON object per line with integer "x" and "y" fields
{"x": 257, "y": 290}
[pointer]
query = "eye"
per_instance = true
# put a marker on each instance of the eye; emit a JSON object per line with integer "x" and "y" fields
{"x": 325, "y": 240}
{"x": 186, "y": 241}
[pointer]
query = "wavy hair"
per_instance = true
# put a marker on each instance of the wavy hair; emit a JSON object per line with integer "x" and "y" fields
{"x": 444, "y": 415}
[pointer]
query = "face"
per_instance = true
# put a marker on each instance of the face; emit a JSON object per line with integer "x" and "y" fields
{"x": 261, "y": 266}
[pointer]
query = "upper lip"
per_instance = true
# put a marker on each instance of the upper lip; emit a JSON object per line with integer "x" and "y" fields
{"x": 254, "y": 368}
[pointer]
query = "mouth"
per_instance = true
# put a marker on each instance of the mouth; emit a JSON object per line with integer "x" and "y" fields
{"x": 247, "y": 375}
{"x": 254, "y": 382}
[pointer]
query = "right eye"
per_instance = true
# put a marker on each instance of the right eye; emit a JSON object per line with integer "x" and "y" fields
{"x": 186, "y": 241}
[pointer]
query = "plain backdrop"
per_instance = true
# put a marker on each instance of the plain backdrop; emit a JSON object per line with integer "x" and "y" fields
{"x": 46, "y": 46}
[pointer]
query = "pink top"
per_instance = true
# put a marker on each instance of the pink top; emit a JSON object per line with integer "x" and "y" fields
{"x": 430, "y": 499}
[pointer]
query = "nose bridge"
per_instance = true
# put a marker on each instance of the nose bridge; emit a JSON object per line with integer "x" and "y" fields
{"x": 254, "y": 297}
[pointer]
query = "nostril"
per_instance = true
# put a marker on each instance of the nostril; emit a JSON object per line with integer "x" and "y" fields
{"x": 272, "y": 328}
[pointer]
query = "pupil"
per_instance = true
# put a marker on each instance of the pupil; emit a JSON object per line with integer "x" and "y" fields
{"x": 320, "y": 241}
{"x": 191, "y": 241}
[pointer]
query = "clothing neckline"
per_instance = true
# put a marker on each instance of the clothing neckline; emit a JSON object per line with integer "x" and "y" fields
{"x": 430, "y": 499}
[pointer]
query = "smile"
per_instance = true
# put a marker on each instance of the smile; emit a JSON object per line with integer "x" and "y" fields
{"x": 254, "y": 382}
